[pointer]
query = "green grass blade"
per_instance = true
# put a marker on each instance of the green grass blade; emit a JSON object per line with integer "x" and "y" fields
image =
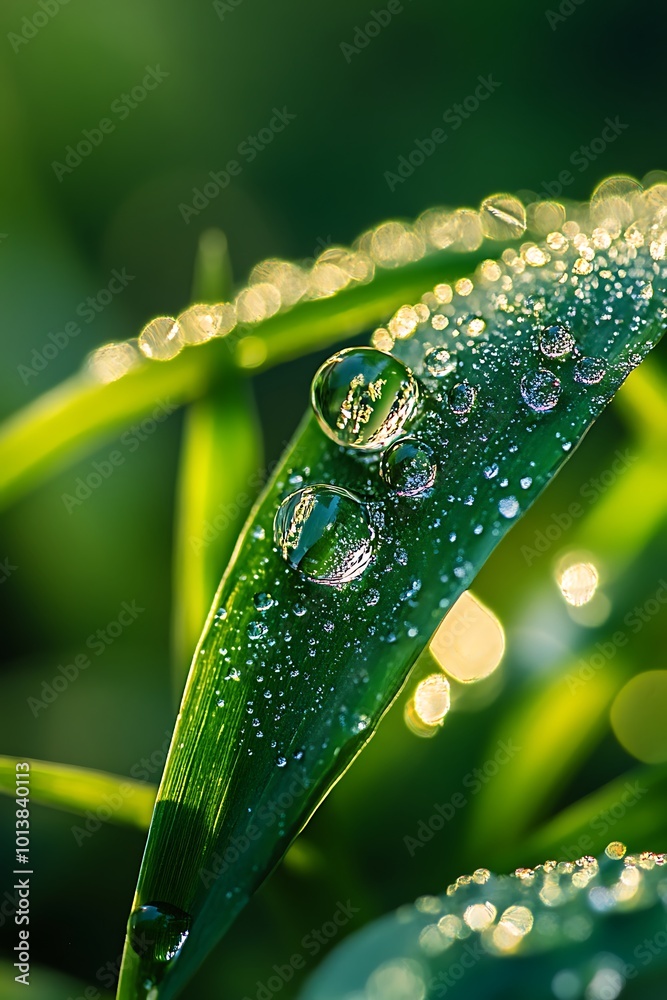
{"x": 561, "y": 730}
{"x": 218, "y": 482}
{"x": 593, "y": 926}
{"x": 73, "y": 418}
{"x": 626, "y": 804}
{"x": 213, "y": 270}
{"x": 82, "y": 790}
{"x": 282, "y": 695}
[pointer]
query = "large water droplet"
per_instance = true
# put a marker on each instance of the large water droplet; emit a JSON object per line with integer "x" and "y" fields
{"x": 462, "y": 398}
{"x": 161, "y": 339}
{"x": 325, "y": 533}
{"x": 589, "y": 371}
{"x": 363, "y": 398}
{"x": 439, "y": 362}
{"x": 508, "y": 506}
{"x": 157, "y": 931}
{"x": 263, "y": 601}
{"x": 540, "y": 389}
{"x": 556, "y": 341}
{"x": 408, "y": 466}
{"x": 503, "y": 217}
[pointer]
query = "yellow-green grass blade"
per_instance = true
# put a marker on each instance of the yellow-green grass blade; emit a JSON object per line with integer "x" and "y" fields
{"x": 73, "y": 418}
{"x": 80, "y": 790}
{"x": 219, "y": 479}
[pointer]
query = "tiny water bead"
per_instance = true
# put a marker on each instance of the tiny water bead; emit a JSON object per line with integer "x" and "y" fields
{"x": 439, "y": 362}
{"x": 363, "y": 398}
{"x": 158, "y": 931}
{"x": 408, "y": 466}
{"x": 325, "y": 533}
{"x": 540, "y": 390}
{"x": 462, "y": 398}
{"x": 556, "y": 341}
{"x": 589, "y": 371}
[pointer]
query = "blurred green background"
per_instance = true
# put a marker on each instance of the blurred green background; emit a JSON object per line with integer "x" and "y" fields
{"x": 226, "y": 68}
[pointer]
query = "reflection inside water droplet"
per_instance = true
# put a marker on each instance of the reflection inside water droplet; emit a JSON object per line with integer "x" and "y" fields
{"x": 439, "y": 362}
{"x": 325, "y": 533}
{"x": 589, "y": 371}
{"x": 556, "y": 341}
{"x": 540, "y": 389}
{"x": 462, "y": 398}
{"x": 158, "y": 931}
{"x": 263, "y": 601}
{"x": 363, "y": 398}
{"x": 408, "y": 466}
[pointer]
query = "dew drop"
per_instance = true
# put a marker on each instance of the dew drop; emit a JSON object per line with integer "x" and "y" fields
{"x": 263, "y": 601}
{"x": 256, "y": 630}
{"x": 325, "y": 533}
{"x": 556, "y": 341}
{"x": 360, "y": 722}
{"x": 158, "y": 931}
{"x": 200, "y": 323}
{"x": 363, "y": 398}
{"x": 439, "y": 362}
{"x": 408, "y": 466}
{"x": 540, "y": 389}
{"x": 281, "y": 761}
{"x": 491, "y": 471}
{"x": 462, "y": 398}
{"x": 589, "y": 371}
{"x": 508, "y": 507}
{"x": 161, "y": 339}
{"x": 503, "y": 217}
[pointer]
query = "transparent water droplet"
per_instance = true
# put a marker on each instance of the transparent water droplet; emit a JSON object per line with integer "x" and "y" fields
{"x": 158, "y": 931}
{"x": 363, "y": 398}
{"x": 258, "y": 532}
{"x": 540, "y": 389}
{"x": 372, "y": 597}
{"x": 491, "y": 471}
{"x": 299, "y": 610}
{"x": 439, "y": 362}
{"x": 526, "y": 482}
{"x": 462, "y": 398}
{"x": 263, "y": 601}
{"x": 589, "y": 371}
{"x": 408, "y": 466}
{"x": 256, "y": 630}
{"x": 200, "y": 323}
{"x": 325, "y": 533}
{"x": 556, "y": 341}
{"x": 503, "y": 217}
{"x": 508, "y": 507}
{"x": 281, "y": 761}
{"x": 161, "y": 339}
{"x": 360, "y": 722}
